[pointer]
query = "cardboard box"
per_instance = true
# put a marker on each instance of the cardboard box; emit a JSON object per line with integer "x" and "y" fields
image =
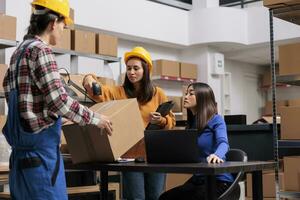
{"x": 291, "y": 173}
{"x": 2, "y": 121}
{"x": 280, "y": 3}
{"x": 91, "y": 144}
{"x": 268, "y": 184}
{"x": 177, "y": 103}
{"x": 8, "y": 26}
{"x": 267, "y": 79}
{"x": 268, "y": 109}
{"x": 188, "y": 70}
{"x": 289, "y": 59}
{"x": 166, "y": 68}
{"x": 72, "y": 14}
{"x": 294, "y": 102}
{"x": 3, "y": 69}
{"x": 290, "y": 129}
{"x": 65, "y": 41}
{"x": 83, "y": 41}
{"x": 174, "y": 180}
{"x": 106, "y": 45}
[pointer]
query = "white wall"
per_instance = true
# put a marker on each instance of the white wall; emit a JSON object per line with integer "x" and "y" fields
{"x": 247, "y": 97}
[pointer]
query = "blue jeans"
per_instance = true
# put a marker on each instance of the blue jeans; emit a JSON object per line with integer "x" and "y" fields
{"x": 142, "y": 186}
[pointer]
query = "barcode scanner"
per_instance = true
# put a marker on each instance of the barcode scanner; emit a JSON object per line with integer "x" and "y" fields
{"x": 96, "y": 88}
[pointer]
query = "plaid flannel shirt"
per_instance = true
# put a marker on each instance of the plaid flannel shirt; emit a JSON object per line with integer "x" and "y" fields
{"x": 42, "y": 97}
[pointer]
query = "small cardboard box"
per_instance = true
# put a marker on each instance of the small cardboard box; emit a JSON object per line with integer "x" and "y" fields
{"x": 3, "y": 69}
{"x": 188, "y": 71}
{"x": 91, "y": 144}
{"x": 290, "y": 129}
{"x": 166, "y": 68}
{"x": 291, "y": 173}
{"x": 280, "y": 3}
{"x": 268, "y": 109}
{"x": 65, "y": 41}
{"x": 2, "y": 121}
{"x": 83, "y": 41}
{"x": 8, "y": 26}
{"x": 294, "y": 102}
{"x": 174, "y": 180}
{"x": 106, "y": 45}
{"x": 268, "y": 184}
{"x": 289, "y": 59}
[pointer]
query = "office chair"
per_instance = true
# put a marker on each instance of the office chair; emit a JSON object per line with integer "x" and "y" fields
{"x": 230, "y": 194}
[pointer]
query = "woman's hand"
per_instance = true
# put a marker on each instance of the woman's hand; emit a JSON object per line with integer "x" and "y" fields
{"x": 88, "y": 83}
{"x": 212, "y": 158}
{"x": 155, "y": 117}
{"x": 105, "y": 123}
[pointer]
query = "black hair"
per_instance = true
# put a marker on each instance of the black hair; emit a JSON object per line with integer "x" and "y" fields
{"x": 146, "y": 89}
{"x": 206, "y": 106}
{"x": 40, "y": 22}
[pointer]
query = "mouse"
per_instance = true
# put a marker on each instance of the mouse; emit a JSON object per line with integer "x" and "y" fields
{"x": 139, "y": 160}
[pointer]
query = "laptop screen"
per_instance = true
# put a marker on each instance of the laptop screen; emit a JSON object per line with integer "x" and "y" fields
{"x": 171, "y": 146}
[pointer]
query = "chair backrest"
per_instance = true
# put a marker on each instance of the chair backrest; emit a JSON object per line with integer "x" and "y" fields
{"x": 234, "y": 155}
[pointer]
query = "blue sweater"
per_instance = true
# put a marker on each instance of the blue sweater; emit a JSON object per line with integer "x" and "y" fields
{"x": 213, "y": 140}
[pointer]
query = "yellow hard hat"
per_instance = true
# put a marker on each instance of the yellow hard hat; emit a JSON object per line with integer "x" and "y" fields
{"x": 139, "y": 52}
{"x": 61, "y": 7}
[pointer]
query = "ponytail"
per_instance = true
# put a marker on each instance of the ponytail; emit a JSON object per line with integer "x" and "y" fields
{"x": 39, "y": 22}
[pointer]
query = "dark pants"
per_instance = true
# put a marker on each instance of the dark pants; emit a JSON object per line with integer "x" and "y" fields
{"x": 194, "y": 189}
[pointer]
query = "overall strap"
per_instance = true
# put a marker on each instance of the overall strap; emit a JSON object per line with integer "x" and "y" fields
{"x": 24, "y": 47}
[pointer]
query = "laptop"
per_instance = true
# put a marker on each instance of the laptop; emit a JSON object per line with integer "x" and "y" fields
{"x": 171, "y": 146}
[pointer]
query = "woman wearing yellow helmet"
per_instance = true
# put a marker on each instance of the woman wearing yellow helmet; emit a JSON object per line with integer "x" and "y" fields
{"x": 137, "y": 84}
{"x": 36, "y": 102}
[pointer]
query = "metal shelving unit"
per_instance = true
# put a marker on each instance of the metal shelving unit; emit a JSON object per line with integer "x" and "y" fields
{"x": 170, "y": 78}
{"x": 7, "y": 43}
{"x": 290, "y": 13}
{"x": 108, "y": 59}
{"x": 3, "y": 45}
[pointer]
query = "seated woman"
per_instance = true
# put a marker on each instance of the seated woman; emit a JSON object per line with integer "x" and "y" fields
{"x": 213, "y": 144}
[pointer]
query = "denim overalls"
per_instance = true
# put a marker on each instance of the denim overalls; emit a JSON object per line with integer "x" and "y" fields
{"x": 36, "y": 166}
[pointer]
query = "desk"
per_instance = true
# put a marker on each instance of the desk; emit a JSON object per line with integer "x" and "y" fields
{"x": 209, "y": 170}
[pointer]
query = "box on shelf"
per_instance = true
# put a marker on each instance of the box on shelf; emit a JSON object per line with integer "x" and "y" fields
{"x": 3, "y": 69}
{"x": 280, "y": 3}
{"x": 266, "y": 79}
{"x": 106, "y": 45}
{"x": 174, "y": 180}
{"x": 83, "y": 41}
{"x": 166, "y": 68}
{"x": 279, "y": 104}
{"x": 8, "y": 26}
{"x": 89, "y": 143}
{"x": 177, "y": 103}
{"x": 65, "y": 41}
{"x": 188, "y": 70}
{"x": 294, "y": 102}
{"x": 289, "y": 59}
{"x": 291, "y": 173}
{"x": 268, "y": 184}
{"x": 290, "y": 128}
{"x": 72, "y": 14}
{"x": 2, "y": 121}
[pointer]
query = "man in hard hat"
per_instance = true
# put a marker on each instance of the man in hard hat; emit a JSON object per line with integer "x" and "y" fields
{"x": 138, "y": 84}
{"x": 36, "y": 102}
